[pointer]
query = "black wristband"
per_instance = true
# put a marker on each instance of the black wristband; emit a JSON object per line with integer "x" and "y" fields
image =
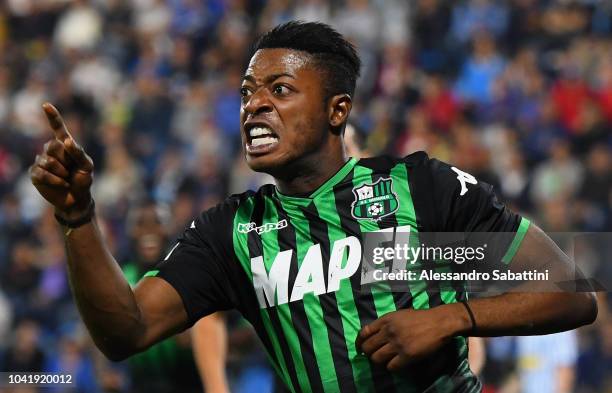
{"x": 78, "y": 222}
{"x": 471, "y": 314}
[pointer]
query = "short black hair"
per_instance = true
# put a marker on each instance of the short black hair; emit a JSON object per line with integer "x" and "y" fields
{"x": 330, "y": 51}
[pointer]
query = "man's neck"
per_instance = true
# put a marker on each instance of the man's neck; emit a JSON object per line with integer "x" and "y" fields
{"x": 306, "y": 177}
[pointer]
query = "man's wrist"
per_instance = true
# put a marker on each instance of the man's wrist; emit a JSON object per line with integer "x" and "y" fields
{"x": 460, "y": 323}
{"x": 76, "y": 217}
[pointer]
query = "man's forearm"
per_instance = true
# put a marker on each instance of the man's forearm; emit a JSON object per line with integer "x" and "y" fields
{"x": 103, "y": 296}
{"x": 536, "y": 307}
{"x": 120, "y": 321}
{"x": 521, "y": 314}
{"x": 210, "y": 351}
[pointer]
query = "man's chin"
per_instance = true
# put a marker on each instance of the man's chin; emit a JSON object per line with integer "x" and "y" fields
{"x": 261, "y": 164}
{"x": 268, "y": 163}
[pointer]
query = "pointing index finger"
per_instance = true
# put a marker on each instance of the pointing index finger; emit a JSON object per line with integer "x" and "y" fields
{"x": 56, "y": 122}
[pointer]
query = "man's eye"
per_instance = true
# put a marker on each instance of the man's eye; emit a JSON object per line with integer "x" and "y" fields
{"x": 244, "y": 91}
{"x": 281, "y": 90}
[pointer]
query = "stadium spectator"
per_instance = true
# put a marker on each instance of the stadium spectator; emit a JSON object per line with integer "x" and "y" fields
{"x": 25, "y": 353}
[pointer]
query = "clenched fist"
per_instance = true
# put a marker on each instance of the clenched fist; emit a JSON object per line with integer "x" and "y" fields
{"x": 407, "y": 336}
{"x": 63, "y": 173}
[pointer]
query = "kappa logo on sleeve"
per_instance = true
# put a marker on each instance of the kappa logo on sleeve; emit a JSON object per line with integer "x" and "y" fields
{"x": 267, "y": 227}
{"x": 464, "y": 178}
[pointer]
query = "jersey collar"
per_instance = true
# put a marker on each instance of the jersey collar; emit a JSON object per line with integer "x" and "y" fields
{"x": 329, "y": 183}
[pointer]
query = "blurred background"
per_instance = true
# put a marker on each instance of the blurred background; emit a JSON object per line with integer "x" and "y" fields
{"x": 517, "y": 92}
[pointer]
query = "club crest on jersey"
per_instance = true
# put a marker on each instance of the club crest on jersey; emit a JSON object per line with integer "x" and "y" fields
{"x": 374, "y": 201}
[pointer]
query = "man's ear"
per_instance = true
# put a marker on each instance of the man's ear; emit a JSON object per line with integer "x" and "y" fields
{"x": 339, "y": 107}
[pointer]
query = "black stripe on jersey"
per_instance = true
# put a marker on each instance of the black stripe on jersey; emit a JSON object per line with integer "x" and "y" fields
{"x": 254, "y": 316}
{"x": 329, "y": 305}
{"x": 382, "y": 379}
{"x": 287, "y": 240}
{"x": 421, "y": 189}
{"x": 381, "y": 168}
{"x": 424, "y": 211}
{"x": 378, "y": 164}
{"x": 273, "y": 312}
{"x": 256, "y": 249}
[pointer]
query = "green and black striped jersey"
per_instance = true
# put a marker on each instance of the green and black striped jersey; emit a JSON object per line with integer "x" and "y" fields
{"x": 291, "y": 266}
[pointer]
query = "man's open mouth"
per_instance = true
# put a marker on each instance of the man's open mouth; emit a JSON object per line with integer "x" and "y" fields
{"x": 261, "y": 139}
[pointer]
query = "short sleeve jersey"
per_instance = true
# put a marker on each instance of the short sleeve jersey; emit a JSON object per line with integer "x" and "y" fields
{"x": 291, "y": 266}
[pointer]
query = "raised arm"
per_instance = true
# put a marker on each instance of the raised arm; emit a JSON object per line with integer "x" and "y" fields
{"x": 120, "y": 320}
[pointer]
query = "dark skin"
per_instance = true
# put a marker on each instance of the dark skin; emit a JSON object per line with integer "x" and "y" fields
{"x": 404, "y": 337}
{"x": 282, "y": 91}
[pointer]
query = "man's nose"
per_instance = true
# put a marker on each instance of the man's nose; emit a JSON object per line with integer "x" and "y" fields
{"x": 259, "y": 102}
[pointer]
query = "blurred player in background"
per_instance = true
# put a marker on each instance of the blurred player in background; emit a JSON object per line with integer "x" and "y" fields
{"x": 209, "y": 341}
{"x": 547, "y": 364}
{"x": 169, "y": 366}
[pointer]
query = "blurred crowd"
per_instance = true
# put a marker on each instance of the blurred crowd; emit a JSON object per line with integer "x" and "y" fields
{"x": 517, "y": 92}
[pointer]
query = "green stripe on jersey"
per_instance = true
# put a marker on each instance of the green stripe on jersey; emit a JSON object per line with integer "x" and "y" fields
{"x": 312, "y": 305}
{"x": 516, "y": 242}
{"x": 151, "y": 273}
{"x": 270, "y": 250}
{"x": 381, "y": 292}
{"x": 241, "y": 249}
{"x": 406, "y": 215}
{"x": 344, "y": 296}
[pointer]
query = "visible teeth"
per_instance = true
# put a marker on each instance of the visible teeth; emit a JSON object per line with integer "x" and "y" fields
{"x": 257, "y": 131}
{"x": 263, "y": 141}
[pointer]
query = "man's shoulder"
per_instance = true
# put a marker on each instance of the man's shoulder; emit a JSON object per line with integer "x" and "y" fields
{"x": 264, "y": 190}
{"x": 227, "y": 208}
{"x": 235, "y": 201}
{"x": 215, "y": 225}
{"x": 415, "y": 161}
